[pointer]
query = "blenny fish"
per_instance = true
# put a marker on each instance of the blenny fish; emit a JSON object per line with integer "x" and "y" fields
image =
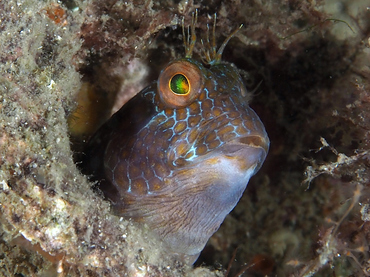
{"x": 178, "y": 156}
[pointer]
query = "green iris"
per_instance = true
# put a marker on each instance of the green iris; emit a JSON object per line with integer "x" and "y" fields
{"x": 179, "y": 84}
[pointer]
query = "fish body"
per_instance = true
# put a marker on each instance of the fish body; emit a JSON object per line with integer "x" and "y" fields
{"x": 178, "y": 156}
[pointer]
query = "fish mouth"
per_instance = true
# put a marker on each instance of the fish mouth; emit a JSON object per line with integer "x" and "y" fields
{"x": 252, "y": 141}
{"x": 248, "y": 152}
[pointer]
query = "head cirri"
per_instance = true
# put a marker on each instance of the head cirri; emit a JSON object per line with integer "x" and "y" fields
{"x": 179, "y": 155}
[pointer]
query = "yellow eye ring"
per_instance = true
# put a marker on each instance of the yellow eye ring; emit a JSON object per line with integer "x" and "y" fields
{"x": 180, "y": 83}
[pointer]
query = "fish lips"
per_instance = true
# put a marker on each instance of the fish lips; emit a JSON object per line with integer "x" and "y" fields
{"x": 248, "y": 151}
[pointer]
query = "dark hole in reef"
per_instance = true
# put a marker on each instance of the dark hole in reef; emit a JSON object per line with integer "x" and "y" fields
{"x": 69, "y": 4}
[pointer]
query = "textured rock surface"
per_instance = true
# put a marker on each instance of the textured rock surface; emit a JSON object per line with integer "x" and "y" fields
{"x": 314, "y": 73}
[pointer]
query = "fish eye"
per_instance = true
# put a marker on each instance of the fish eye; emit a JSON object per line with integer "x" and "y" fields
{"x": 180, "y": 83}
